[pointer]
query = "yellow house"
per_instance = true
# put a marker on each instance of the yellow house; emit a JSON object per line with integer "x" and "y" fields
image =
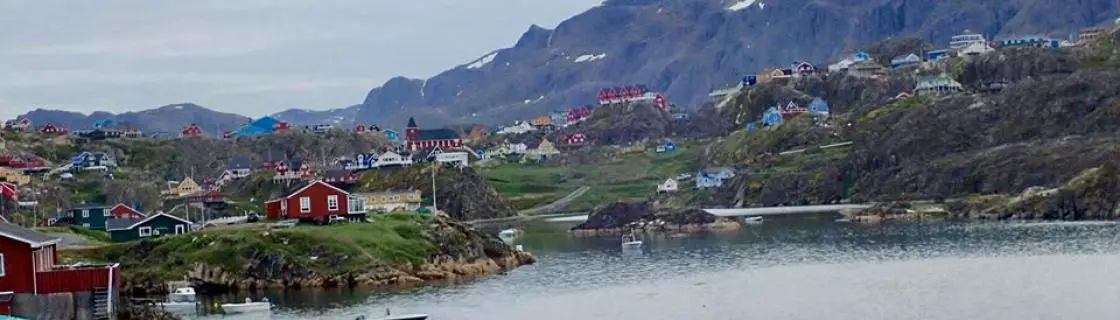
{"x": 547, "y": 148}
{"x": 13, "y": 176}
{"x": 390, "y": 201}
{"x": 542, "y": 121}
{"x": 185, "y": 188}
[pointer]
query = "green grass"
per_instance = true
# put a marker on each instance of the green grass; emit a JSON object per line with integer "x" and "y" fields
{"x": 89, "y": 234}
{"x": 625, "y": 177}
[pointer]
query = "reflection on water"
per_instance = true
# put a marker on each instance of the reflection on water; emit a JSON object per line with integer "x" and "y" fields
{"x": 786, "y": 268}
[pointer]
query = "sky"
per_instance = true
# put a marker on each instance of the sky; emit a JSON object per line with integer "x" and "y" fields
{"x": 251, "y": 57}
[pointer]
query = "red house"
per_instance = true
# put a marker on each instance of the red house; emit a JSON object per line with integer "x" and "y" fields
{"x": 9, "y": 191}
{"x": 361, "y": 128}
{"x": 661, "y": 102}
{"x": 575, "y": 139}
{"x": 417, "y": 139}
{"x": 317, "y": 202}
{"x": 54, "y": 130}
{"x": 281, "y": 127}
{"x": 122, "y": 211}
{"x": 191, "y": 131}
{"x": 603, "y": 98}
{"x": 29, "y": 267}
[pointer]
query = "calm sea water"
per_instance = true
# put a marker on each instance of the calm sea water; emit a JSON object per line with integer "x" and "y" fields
{"x": 786, "y": 268}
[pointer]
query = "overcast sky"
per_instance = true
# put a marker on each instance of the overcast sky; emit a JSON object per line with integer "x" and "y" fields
{"x": 251, "y": 57}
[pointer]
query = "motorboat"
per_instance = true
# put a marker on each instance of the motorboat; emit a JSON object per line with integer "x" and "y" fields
{"x": 629, "y": 241}
{"x": 389, "y": 316}
{"x": 509, "y": 235}
{"x": 247, "y": 307}
{"x": 752, "y": 220}
{"x": 182, "y": 294}
{"x": 180, "y": 308}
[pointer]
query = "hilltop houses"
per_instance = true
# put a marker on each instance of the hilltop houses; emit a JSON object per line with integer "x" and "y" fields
{"x": 341, "y": 177}
{"x": 291, "y": 170}
{"x": 263, "y": 126}
{"x": 848, "y": 62}
{"x": 518, "y": 128}
{"x": 1029, "y": 42}
{"x": 906, "y": 61}
{"x": 317, "y": 202}
{"x": 713, "y": 177}
{"x": 575, "y": 139}
{"x": 237, "y": 168}
{"x": 609, "y": 96}
{"x": 93, "y": 160}
{"x": 21, "y": 125}
{"x": 670, "y": 185}
{"x": 936, "y": 85}
{"x": 417, "y": 139}
{"x": 192, "y": 130}
{"x": 54, "y": 130}
{"x": 965, "y": 40}
{"x": 976, "y": 49}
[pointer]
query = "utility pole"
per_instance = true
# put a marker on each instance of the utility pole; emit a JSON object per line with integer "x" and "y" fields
{"x": 435, "y": 204}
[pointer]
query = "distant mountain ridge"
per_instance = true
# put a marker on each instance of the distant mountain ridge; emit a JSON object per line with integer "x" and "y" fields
{"x": 684, "y": 48}
{"x": 169, "y": 118}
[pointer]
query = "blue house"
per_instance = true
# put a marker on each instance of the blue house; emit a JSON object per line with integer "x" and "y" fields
{"x": 392, "y": 135}
{"x": 937, "y": 55}
{"x": 772, "y": 117}
{"x": 93, "y": 159}
{"x": 666, "y": 147}
{"x": 713, "y": 177}
{"x": 861, "y": 57}
{"x": 256, "y": 128}
{"x": 818, "y": 107}
{"x": 750, "y": 80}
{"x": 752, "y": 126}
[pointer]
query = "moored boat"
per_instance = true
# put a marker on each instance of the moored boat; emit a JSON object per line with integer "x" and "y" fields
{"x": 247, "y": 307}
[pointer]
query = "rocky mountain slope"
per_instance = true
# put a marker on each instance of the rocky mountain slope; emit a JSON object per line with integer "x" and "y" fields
{"x": 687, "y": 47}
{"x": 169, "y": 118}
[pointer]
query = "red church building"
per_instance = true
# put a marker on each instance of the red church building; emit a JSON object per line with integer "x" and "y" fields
{"x": 316, "y": 202}
{"x": 417, "y": 139}
{"x": 191, "y": 131}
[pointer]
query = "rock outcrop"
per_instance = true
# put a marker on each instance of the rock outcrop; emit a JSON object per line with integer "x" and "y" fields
{"x": 462, "y": 193}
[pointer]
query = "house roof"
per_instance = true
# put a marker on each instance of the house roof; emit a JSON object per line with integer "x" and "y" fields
{"x": 313, "y": 183}
{"x": 140, "y": 222}
{"x": 411, "y": 122}
{"x": 438, "y": 134}
{"x": 336, "y": 173}
{"x": 121, "y": 223}
{"x": 129, "y": 209}
{"x": 90, "y": 206}
{"x": 28, "y": 236}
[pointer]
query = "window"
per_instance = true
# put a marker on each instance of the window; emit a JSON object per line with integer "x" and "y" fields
{"x": 332, "y": 203}
{"x": 357, "y": 205}
{"x": 85, "y": 213}
{"x": 179, "y": 228}
{"x": 145, "y": 231}
{"x": 105, "y": 213}
{"x": 304, "y": 204}
{"x": 3, "y": 268}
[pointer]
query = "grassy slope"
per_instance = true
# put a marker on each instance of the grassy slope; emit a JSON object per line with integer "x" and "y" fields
{"x": 624, "y": 177}
{"x": 390, "y": 239}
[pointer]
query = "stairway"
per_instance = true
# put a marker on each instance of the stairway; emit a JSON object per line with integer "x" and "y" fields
{"x": 101, "y": 301}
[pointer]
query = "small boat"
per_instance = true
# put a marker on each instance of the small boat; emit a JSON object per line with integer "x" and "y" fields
{"x": 509, "y": 235}
{"x": 752, "y": 220}
{"x": 180, "y": 308}
{"x": 182, "y": 294}
{"x": 629, "y": 241}
{"x": 248, "y": 307}
{"x": 389, "y": 316}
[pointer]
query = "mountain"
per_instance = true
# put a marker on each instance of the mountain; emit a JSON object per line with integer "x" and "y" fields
{"x": 169, "y": 118}
{"x": 685, "y": 48}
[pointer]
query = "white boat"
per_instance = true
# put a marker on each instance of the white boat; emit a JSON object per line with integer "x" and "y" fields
{"x": 629, "y": 241}
{"x": 509, "y": 235}
{"x": 179, "y": 308}
{"x": 248, "y": 307}
{"x": 389, "y": 316}
{"x": 182, "y": 294}
{"x": 752, "y": 220}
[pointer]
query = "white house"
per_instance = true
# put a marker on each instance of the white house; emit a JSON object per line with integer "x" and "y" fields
{"x": 910, "y": 60}
{"x": 390, "y": 158}
{"x": 966, "y": 39}
{"x": 669, "y": 185}
{"x": 937, "y": 85}
{"x": 976, "y": 49}
{"x": 459, "y": 158}
{"x": 518, "y": 148}
{"x": 519, "y": 128}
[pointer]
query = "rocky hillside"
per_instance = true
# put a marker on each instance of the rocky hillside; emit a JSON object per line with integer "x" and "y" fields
{"x": 1056, "y": 119}
{"x": 461, "y": 193}
{"x": 170, "y": 118}
{"x": 686, "y": 48}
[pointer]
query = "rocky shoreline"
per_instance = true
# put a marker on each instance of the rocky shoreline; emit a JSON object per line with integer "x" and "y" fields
{"x": 443, "y": 270}
{"x": 646, "y": 217}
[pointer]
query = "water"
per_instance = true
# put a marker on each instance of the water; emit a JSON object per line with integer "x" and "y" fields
{"x": 786, "y": 268}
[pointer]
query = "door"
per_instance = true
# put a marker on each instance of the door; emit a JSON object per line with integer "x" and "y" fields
{"x": 180, "y": 229}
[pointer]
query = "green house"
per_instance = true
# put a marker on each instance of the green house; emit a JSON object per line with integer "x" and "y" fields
{"x": 91, "y": 216}
{"x": 157, "y": 225}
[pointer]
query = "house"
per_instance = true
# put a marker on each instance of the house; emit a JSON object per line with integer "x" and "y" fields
{"x": 546, "y": 148}
{"x": 30, "y": 270}
{"x": 940, "y": 84}
{"x": 9, "y": 191}
{"x": 518, "y": 148}
{"x": 966, "y": 39}
{"x": 802, "y": 68}
{"x": 192, "y": 130}
{"x": 847, "y": 62}
{"x": 15, "y": 177}
{"x": 542, "y": 121}
{"x": 131, "y": 133}
{"x": 390, "y": 159}
{"x": 575, "y": 139}
{"x": 867, "y": 69}
{"x": 237, "y": 168}
{"x": 317, "y": 202}
{"x": 818, "y": 107}
{"x": 558, "y": 118}
{"x": 417, "y": 139}
{"x": 497, "y": 151}
{"x": 792, "y": 109}
{"x": 1029, "y": 42}
{"x": 906, "y": 61}
{"x": 714, "y": 177}
{"x": 666, "y": 147}
{"x": 391, "y": 201}
{"x": 257, "y": 128}
{"x": 91, "y": 216}
{"x": 772, "y": 117}
{"x": 518, "y": 128}
{"x": 20, "y": 124}
{"x": 478, "y": 133}
{"x": 183, "y": 188}
{"x": 460, "y": 159}
{"x": 901, "y": 96}
{"x": 93, "y": 160}
{"x": 292, "y": 170}
{"x": 321, "y": 128}
{"x": 1087, "y": 35}
{"x": 976, "y": 49}
{"x": 54, "y": 130}
{"x": 154, "y": 226}
{"x": 669, "y": 185}
{"x": 341, "y": 177}
{"x": 392, "y": 135}
{"x": 120, "y": 211}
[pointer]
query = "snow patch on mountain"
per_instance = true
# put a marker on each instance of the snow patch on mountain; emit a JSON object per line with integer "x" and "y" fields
{"x": 743, "y": 4}
{"x": 485, "y": 60}
{"x": 590, "y": 57}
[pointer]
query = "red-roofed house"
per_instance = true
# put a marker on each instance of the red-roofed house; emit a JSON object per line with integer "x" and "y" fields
{"x": 122, "y": 211}
{"x": 54, "y": 130}
{"x": 191, "y": 131}
{"x": 317, "y": 202}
